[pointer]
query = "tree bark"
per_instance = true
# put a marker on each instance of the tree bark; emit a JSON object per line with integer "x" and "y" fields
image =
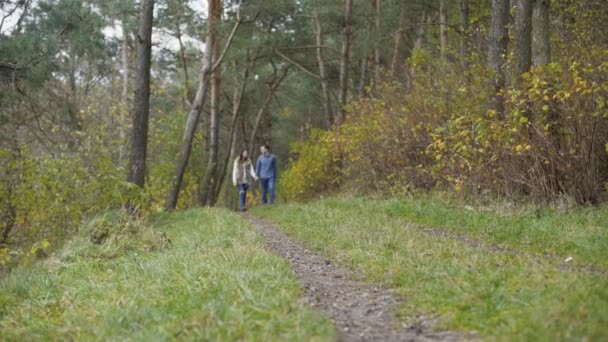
{"x": 523, "y": 36}
{"x": 420, "y": 31}
{"x": 141, "y": 101}
{"x": 345, "y": 58}
{"x": 184, "y": 61}
{"x": 396, "y": 61}
{"x": 464, "y": 28}
{"x": 363, "y": 76}
{"x": 124, "y": 94}
{"x": 237, "y": 102}
{"x": 443, "y": 27}
{"x": 377, "y": 29}
{"x": 272, "y": 87}
{"x": 497, "y": 51}
{"x": 208, "y": 183}
{"x": 197, "y": 107}
{"x": 329, "y": 115}
{"x": 541, "y": 32}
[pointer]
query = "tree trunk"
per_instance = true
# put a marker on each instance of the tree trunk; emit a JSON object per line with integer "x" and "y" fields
{"x": 443, "y": 27}
{"x": 523, "y": 36}
{"x": 464, "y": 28}
{"x": 329, "y": 115}
{"x": 141, "y": 101}
{"x": 237, "y": 101}
{"x": 363, "y": 76}
{"x": 396, "y": 61}
{"x": 209, "y": 181}
{"x": 124, "y": 94}
{"x": 497, "y": 51}
{"x": 541, "y": 32}
{"x": 272, "y": 88}
{"x": 345, "y": 57}
{"x": 420, "y": 31}
{"x": 184, "y": 61}
{"x": 194, "y": 114}
{"x": 377, "y": 30}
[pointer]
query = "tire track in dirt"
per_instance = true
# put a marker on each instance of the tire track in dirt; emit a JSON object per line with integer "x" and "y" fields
{"x": 360, "y": 311}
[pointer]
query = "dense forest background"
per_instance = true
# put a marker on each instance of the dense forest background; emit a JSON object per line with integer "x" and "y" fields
{"x": 108, "y": 104}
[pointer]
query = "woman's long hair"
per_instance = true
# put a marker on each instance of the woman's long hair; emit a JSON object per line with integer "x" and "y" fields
{"x": 242, "y": 158}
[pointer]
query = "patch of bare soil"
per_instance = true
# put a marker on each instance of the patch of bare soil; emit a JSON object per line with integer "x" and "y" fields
{"x": 360, "y": 311}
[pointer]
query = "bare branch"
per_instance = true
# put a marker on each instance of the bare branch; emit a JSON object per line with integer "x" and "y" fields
{"x": 298, "y": 65}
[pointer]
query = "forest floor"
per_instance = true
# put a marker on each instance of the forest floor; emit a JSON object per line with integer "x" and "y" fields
{"x": 360, "y": 311}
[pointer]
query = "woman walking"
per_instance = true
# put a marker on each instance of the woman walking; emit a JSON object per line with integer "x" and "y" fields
{"x": 241, "y": 173}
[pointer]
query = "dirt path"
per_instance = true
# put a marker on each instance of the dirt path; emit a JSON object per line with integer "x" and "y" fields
{"x": 360, "y": 311}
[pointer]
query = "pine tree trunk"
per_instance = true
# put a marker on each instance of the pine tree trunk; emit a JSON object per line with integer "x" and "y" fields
{"x": 329, "y": 115}
{"x": 124, "y": 94}
{"x": 464, "y": 28}
{"x": 194, "y": 114}
{"x": 210, "y": 178}
{"x": 523, "y": 36}
{"x": 421, "y": 30}
{"x": 443, "y": 27}
{"x": 184, "y": 61}
{"x": 363, "y": 71}
{"x": 377, "y": 30}
{"x": 272, "y": 88}
{"x": 237, "y": 101}
{"x": 497, "y": 51}
{"x": 541, "y": 32}
{"x": 396, "y": 61}
{"x": 345, "y": 57}
{"x": 141, "y": 101}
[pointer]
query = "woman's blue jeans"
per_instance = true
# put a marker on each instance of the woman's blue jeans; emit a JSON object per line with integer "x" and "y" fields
{"x": 243, "y": 194}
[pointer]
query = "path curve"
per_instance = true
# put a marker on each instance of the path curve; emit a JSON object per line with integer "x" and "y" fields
{"x": 360, "y": 312}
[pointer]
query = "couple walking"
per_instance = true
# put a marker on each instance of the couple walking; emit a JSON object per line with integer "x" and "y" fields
{"x": 265, "y": 171}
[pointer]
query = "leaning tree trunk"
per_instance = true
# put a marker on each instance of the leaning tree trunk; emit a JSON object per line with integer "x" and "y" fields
{"x": 237, "y": 102}
{"x": 497, "y": 51}
{"x": 141, "y": 101}
{"x": 523, "y": 36}
{"x": 209, "y": 181}
{"x": 197, "y": 106}
{"x": 329, "y": 115}
{"x": 345, "y": 57}
{"x": 272, "y": 88}
{"x": 541, "y": 32}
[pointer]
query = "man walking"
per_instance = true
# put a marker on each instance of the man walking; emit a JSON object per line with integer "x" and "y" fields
{"x": 266, "y": 170}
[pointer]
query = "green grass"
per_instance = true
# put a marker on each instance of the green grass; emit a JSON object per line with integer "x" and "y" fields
{"x": 500, "y": 296}
{"x": 580, "y": 233}
{"x": 215, "y": 282}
